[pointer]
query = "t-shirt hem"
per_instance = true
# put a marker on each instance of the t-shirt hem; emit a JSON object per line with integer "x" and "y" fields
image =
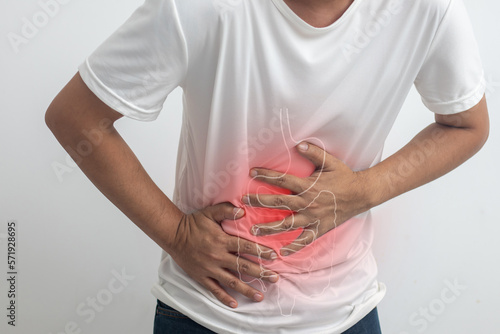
{"x": 111, "y": 99}
{"x": 162, "y": 295}
{"x": 362, "y": 310}
{"x": 460, "y": 105}
{"x": 358, "y": 313}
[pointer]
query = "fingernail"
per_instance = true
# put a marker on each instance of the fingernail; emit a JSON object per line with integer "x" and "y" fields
{"x": 233, "y": 304}
{"x": 273, "y": 278}
{"x": 285, "y": 253}
{"x": 253, "y": 173}
{"x": 274, "y": 256}
{"x": 303, "y": 146}
{"x": 258, "y": 297}
{"x": 238, "y": 212}
{"x": 245, "y": 199}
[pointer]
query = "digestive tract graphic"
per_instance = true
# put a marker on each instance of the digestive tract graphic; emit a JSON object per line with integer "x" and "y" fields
{"x": 286, "y": 132}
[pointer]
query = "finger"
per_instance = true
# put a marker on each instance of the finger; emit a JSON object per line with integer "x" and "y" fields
{"x": 304, "y": 239}
{"x": 246, "y": 267}
{"x": 229, "y": 280}
{"x": 281, "y": 180}
{"x": 223, "y": 211}
{"x": 243, "y": 246}
{"x": 318, "y": 156}
{"x": 282, "y": 202}
{"x": 220, "y": 293}
{"x": 289, "y": 223}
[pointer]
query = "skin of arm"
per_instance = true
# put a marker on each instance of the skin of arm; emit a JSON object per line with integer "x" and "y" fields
{"x": 334, "y": 193}
{"x": 196, "y": 241}
{"x": 445, "y": 144}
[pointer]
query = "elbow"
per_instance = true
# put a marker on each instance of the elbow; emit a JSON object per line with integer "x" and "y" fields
{"x": 76, "y": 108}
{"x": 59, "y": 125}
{"x": 480, "y": 135}
{"x": 58, "y": 120}
{"x": 52, "y": 117}
{"x": 483, "y": 129}
{"x": 483, "y": 135}
{"x": 478, "y": 124}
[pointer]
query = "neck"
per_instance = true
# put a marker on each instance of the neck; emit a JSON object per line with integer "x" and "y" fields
{"x": 319, "y": 13}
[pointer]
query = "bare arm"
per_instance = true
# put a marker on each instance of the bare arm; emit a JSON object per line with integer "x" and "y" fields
{"x": 111, "y": 165}
{"x": 435, "y": 151}
{"x": 195, "y": 241}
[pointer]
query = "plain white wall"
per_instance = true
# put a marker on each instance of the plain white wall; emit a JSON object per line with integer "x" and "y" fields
{"x": 72, "y": 242}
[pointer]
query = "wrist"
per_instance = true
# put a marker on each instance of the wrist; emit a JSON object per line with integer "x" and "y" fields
{"x": 164, "y": 228}
{"x": 173, "y": 238}
{"x": 371, "y": 189}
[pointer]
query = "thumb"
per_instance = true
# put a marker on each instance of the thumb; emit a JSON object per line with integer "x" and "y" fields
{"x": 223, "y": 211}
{"x": 320, "y": 158}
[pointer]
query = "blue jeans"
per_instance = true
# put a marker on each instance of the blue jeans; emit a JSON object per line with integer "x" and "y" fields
{"x": 368, "y": 325}
{"x": 170, "y": 321}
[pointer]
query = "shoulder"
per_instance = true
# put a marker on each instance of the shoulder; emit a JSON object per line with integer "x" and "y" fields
{"x": 200, "y": 10}
{"x": 211, "y": 11}
{"x": 432, "y": 7}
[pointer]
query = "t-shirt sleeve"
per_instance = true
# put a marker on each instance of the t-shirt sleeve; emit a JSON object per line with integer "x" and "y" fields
{"x": 136, "y": 68}
{"x": 451, "y": 79}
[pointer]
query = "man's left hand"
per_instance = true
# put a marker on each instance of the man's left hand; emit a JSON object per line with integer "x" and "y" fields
{"x": 331, "y": 195}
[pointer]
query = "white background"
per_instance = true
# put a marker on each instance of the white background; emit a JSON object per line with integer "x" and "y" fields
{"x": 71, "y": 239}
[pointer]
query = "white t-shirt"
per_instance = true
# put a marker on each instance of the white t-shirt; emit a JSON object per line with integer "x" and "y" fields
{"x": 257, "y": 80}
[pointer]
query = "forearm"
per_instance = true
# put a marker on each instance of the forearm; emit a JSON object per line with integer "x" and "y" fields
{"x": 110, "y": 163}
{"x": 118, "y": 174}
{"x": 435, "y": 151}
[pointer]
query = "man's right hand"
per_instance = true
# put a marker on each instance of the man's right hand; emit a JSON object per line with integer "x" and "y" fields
{"x": 212, "y": 257}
